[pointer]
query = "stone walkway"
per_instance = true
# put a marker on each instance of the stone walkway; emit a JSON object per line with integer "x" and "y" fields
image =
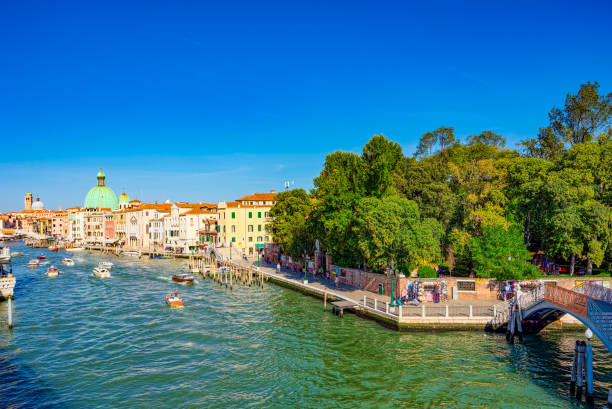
{"x": 353, "y": 293}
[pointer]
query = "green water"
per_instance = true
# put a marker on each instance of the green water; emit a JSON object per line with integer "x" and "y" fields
{"x": 80, "y": 341}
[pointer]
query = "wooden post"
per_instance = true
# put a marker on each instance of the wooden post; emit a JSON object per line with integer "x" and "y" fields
{"x": 447, "y": 311}
{"x": 581, "y": 347}
{"x": 365, "y": 303}
{"x": 10, "y": 313}
{"x": 324, "y": 300}
{"x": 375, "y": 303}
{"x": 589, "y": 373}
{"x": 494, "y": 310}
{"x": 386, "y": 307}
{"x": 471, "y": 311}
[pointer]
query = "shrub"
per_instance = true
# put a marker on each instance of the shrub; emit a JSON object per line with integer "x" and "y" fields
{"x": 427, "y": 272}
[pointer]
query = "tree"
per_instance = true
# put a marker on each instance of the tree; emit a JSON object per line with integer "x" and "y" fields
{"x": 546, "y": 145}
{"x": 443, "y": 137}
{"x": 391, "y": 229}
{"x": 500, "y": 253}
{"x": 488, "y": 138}
{"x": 380, "y": 157}
{"x": 338, "y": 189}
{"x": 290, "y": 225}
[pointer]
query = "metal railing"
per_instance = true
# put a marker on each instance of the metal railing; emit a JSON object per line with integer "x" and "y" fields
{"x": 598, "y": 292}
{"x": 428, "y": 311}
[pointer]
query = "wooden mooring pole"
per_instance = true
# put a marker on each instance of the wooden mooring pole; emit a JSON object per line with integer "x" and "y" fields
{"x": 10, "y": 313}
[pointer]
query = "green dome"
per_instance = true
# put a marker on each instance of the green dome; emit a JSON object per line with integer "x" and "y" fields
{"x": 101, "y": 196}
{"x": 124, "y": 198}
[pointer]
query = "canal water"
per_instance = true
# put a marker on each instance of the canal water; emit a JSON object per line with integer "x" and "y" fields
{"x": 80, "y": 341}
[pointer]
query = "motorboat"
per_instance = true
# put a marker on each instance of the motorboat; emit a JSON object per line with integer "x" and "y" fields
{"x": 67, "y": 261}
{"x": 34, "y": 263}
{"x": 156, "y": 256}
{"x": 131, "y": 253}
{"x": 174, "y": 301}
{"x": 41, "y": 257}
{"x": 183, "y": 278}
{"x": 75, "y": 249}
{"x": 53, "y": 248}
{"x": 52, "y": 271}
{"x": 106, "y": 264}
{"x": 101, "y": 272}
{"x": 17, "y": 254}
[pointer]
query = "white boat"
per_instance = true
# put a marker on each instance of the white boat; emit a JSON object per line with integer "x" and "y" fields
{"x": 5, "y": 255}
{"x": 101, "y": 272}
{"x": 52, "y": 271}
{"x": 75, "y": 249}
{"x": 16, "y": 254}
{"x": 34, "y": 262}
{"x": 106, "y": 264}
{"x": 67, "y": 261}
{"x": 131, "y": 253}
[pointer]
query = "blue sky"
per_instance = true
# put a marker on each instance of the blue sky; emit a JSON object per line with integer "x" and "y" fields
{"x": 208, "y": 101}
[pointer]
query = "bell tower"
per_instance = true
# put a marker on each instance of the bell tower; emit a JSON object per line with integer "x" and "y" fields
{"x": 28, "y": 201}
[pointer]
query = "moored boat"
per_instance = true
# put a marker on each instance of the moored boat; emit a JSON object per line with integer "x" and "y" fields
{"x": 52, "y": 271}
{"x": 53, "y": 248}
{"x": 174, "y": 301}
{"x": 106, "y": 264}
{"x": 131, "y": 253}
{"x": 67, "y": 261}
{"x": 34, "y": 262}
{"x": 75, "y": 249}
{"x": 101, "y": 272}
{"x": 17, "y": 254}
{"x": 156, "y": 256}
{"x": 41, "y": 257}
{"x": 183, "y": 278}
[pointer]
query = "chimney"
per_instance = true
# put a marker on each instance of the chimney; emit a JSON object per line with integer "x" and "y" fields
{"x": 272, "y": 191}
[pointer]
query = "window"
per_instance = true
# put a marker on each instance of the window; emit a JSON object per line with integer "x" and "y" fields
{"x": 250, "y": 239}
{"x": 266, "y": 238}
{"x": 233, "y": 215}
{"x": 259, "y": 238}
{"x": 223, "y": 229}
{"x": 259, "y": 215}
{"x": 250, "y": 215}
{"x": 267, "y": 214}
{"x": 250, "y": 228}
{"x": 233, "y": 228}
{"x": 233, "y": 239}
{"x": 259, "y": 227}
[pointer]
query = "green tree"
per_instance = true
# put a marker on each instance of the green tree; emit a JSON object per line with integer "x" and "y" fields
{"x": 380, "y": 158}
{"x": 443, "y": 137}
{"x": 290, "y": 225}
{"x": 500, "y": 253}
{"x": 488, "y": 138}
{"x": 546, "y": 145}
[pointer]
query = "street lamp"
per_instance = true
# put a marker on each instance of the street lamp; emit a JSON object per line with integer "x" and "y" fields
{"x": 392, "y": 274}
{"x": 305, "y": 264}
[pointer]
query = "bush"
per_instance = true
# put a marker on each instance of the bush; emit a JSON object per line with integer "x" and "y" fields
{"x": 427, "y": 272}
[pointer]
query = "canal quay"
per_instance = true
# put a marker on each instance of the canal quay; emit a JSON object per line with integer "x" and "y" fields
{"x": 79, "y": 341}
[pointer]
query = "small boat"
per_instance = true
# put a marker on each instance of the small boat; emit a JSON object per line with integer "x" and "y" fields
{"x": 34, "y": 262}
{"x": 53, "y": 248}
{"x": 101, "y": 272}
{"x": 174, "y": 300}
{"x": 106, "y": 264}
{"x": 5, "y": 255}
{"x": 17, "y": 254}
{"x": 41, "y": 257}
{"x": 67, "y": 261}
{"x": 183, "y": 278}
{"x": 130, "y": 253}
{"x": 52, "y": 271}
{"x": 156, "y": 256}
{"x": 75, "y": 249}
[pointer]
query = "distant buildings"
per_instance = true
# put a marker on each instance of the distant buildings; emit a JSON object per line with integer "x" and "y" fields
{"x": 106, "y": 220}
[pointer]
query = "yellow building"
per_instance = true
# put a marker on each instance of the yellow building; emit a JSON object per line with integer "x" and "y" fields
{"x": 242, "y": 224}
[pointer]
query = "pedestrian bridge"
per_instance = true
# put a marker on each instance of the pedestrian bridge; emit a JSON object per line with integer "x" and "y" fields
{"x": 547, "y": 303}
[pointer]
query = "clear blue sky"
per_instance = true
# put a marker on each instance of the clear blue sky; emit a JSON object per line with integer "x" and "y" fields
{"x": 208, "y": 101}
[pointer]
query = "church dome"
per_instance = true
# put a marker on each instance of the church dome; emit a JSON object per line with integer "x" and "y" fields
{"x": 38, "y": 205}
{"x": 124, "y": 198}
{"x": 101, "y": 196}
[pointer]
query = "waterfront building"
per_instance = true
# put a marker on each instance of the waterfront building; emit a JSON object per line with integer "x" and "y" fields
{"x": 182, "y": 226}
{"x": 60, "y": 224}
{"x": 137, "y": 220}
{"x": 242, "y": 224}
{"x": 124, "y": 201}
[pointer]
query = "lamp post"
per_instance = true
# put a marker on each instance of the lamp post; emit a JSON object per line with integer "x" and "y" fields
{"x": 305, "y": 264}
{"x": 258, "y": 259}
{"x": 392, "y": 273}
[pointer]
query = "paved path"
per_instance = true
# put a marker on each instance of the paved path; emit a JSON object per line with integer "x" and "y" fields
{"x": 349, "y": 292}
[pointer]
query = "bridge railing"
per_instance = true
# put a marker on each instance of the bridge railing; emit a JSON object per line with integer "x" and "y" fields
{"x": 566, "y": 299}
{"x": 598, "y": 292}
